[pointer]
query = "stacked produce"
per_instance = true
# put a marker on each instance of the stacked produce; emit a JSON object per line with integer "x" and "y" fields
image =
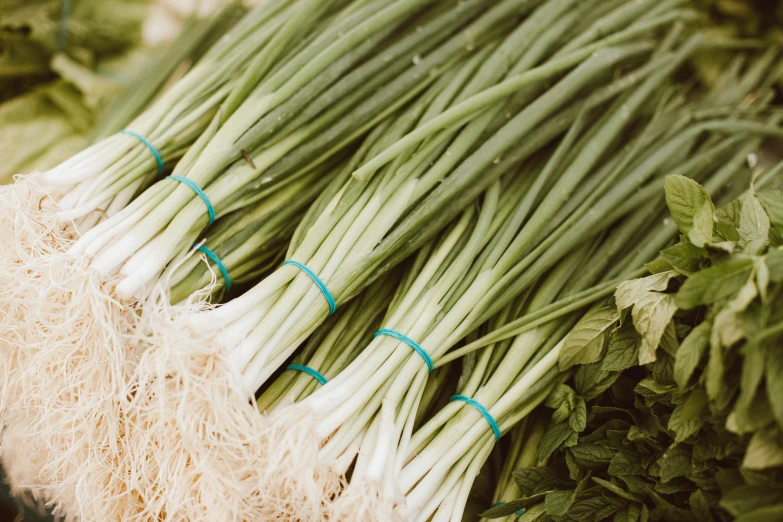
{"x": 397, "y": 224}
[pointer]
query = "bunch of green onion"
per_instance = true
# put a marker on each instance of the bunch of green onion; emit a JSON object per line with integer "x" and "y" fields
{"x": 377, "y": 190}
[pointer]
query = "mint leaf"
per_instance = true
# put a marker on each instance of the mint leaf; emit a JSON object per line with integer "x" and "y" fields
{"x": 684, "y": 257}
{"x": 577, "y": 421}
{"x": 585, "y": 342}
{"x": 623, "y": 350}
{"x": 729, "y": 214}
{"x": 689, "y": 354}
{"x": 676, "y": 462}
{"x": 712, "y": 284}
{"x": 754, "y": 225}
{"x": 591, "y": 456}
{"x": 632, "y": 513}
{"x": 625, "y": 463}
{"x": 534, "y": 479}
{"x": 651, "y": 315}
{"x": 553, "y": 439}
{"x": 772, "y": 202}
{"x": 590, "y": 381}
{"x": 690, "y": 207}
{"x": 687, "y": 418}
{"x": 628, "y": 293}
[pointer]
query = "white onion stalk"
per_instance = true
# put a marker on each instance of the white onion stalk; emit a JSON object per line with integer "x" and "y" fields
{"x": 266, "y": 318}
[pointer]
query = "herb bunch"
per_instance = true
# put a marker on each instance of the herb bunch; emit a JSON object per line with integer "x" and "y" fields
{"x": 675, "y": 410}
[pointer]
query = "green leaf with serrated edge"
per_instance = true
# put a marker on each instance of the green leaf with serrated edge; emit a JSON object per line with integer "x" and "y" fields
{"x": 765, "y": 450}
{"x": 625, "y": 463}
{"x": 560, "y": 394}
{"x": 630, "y": 292}
{"x": 675, "y": 462}
{"x": 651, "y": 315}
{"x": 595, "y": 508}
{"x": 774, "y": 381}
{"x": 752, "y": 373}
{"x": 772, "y": 202}
{"x": 689, "y": 205}
{"x": 685, "y": 257}
{"x": 725, "y": 234}
{"x": 729, "y": 214}
{"x": 623, "y": 350}
{"x": 591, "y": 456}
{"x": 690, "y": 352}
{"x": 687, "y": 418}
{"x": 663, "y": 368}
{"x": 720, "y": 281}
{"x": 774, "y": 262}
{"x": 559, "y": 502}
{"x": 754, "y": 224}
{"x": 616, "y": 489}
{"x": 553, "y": 439}
{"x": 701, "y": 232}
{"x": 746, "y": 498}
{"x": 669, "y": 341}
{"x": 533, "y": 478}
{"x": 578, "y": 418}
{"x": 585, "y": 342}
{"x": 590, "y": 381}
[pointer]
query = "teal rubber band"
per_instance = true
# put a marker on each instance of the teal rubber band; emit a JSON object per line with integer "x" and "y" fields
{"x": 198, "y": 191}
{"x": 223, "y": 270}
{"x": 480, "y": 407}
{"x": 410, "y": 342}
{"x": 519, "y": 511}
{"x": 65, "y": 18}
{"x": 320, "y": 284}
{"x": 153, "y": 150}
{"x": 309, "y": 371}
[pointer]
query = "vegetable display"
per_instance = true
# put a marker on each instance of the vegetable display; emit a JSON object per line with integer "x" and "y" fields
{"x": 408, "y": 260}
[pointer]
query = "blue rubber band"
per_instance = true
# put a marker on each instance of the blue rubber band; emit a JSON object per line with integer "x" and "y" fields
{"x": 198, "y": 191}
{"x": 223, "y": 270}
{"x": 480, "y": 407}
{"x": 309, "y": 371}
{"x": 410, "y": 342}
{"x": 320, "y": 284}
{"x": 153, "y": 150}
{"x": 497, "y": 504}
{"x": 65, "y": 18}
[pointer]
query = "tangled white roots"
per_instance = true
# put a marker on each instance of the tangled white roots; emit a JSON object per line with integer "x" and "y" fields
{"x": 298, "y": 484}
{"x": 194, "y": 431}
{"x": 65, "y": 363}
{"x": 363, "y": 501}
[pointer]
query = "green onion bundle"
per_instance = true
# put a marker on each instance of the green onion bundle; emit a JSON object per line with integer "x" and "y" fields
{"x": 403, "y": 184}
